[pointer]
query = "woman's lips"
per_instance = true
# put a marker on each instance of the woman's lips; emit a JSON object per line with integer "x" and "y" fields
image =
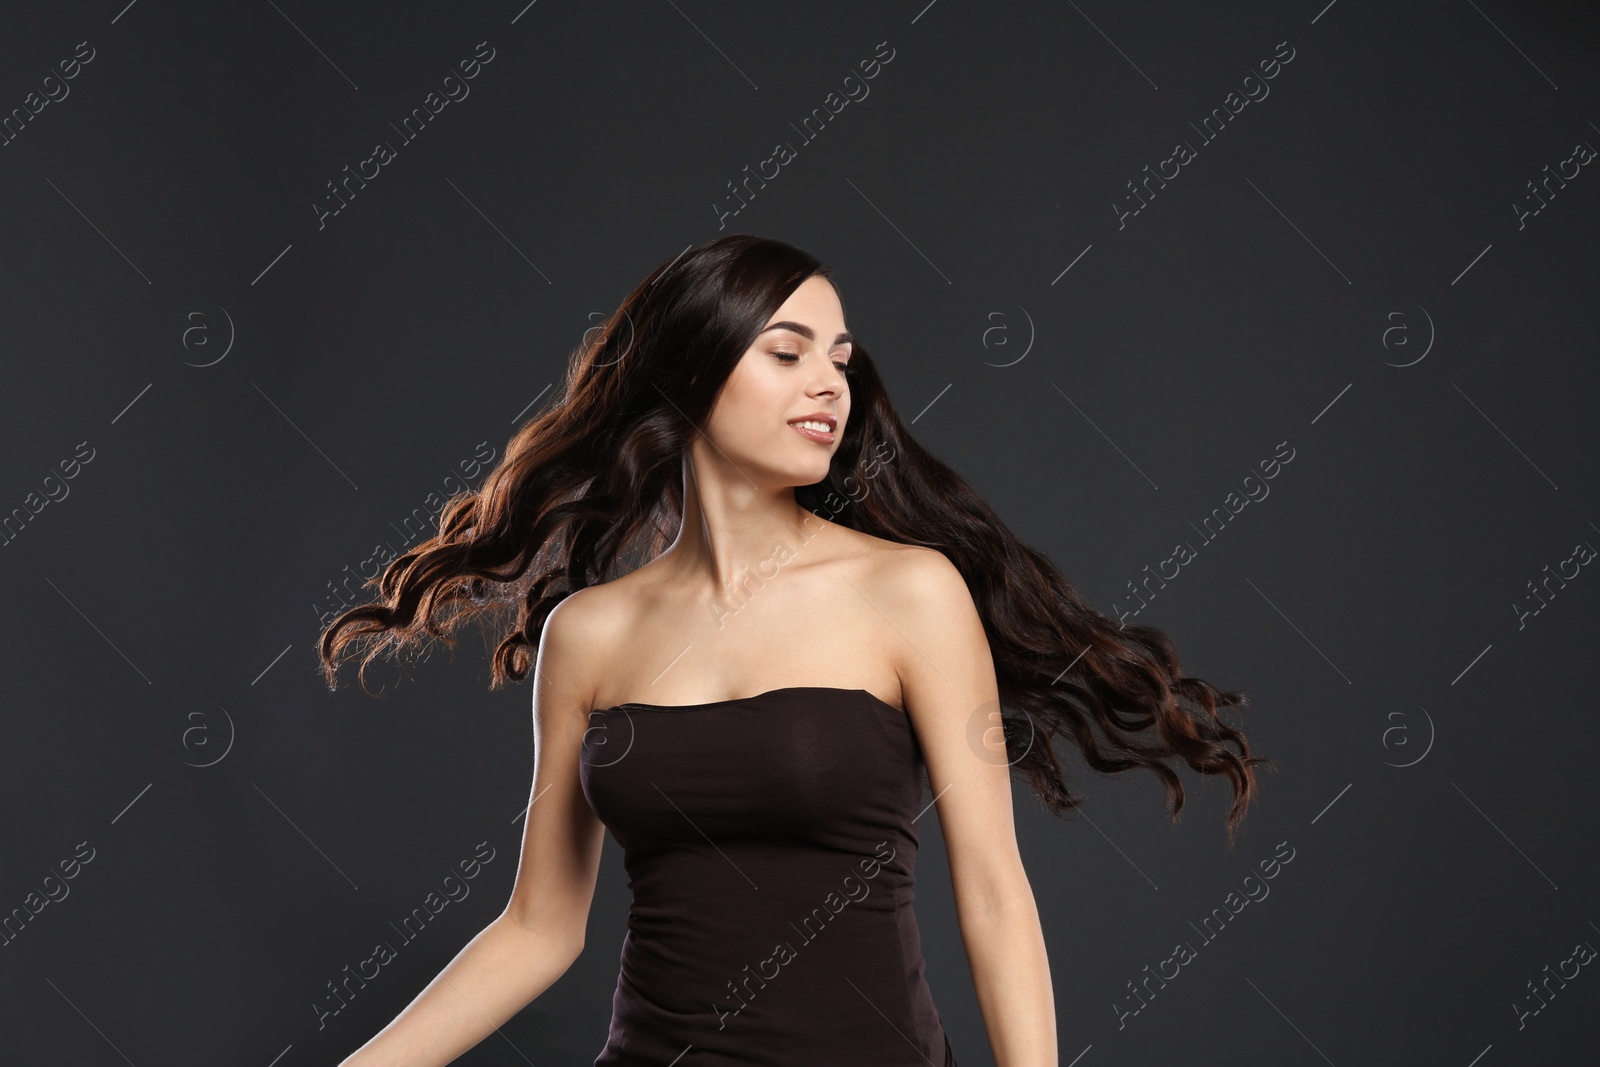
{"x": 813, "y": 435}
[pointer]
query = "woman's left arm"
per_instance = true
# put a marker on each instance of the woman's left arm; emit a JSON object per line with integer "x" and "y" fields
{"x": 948, "y": 678}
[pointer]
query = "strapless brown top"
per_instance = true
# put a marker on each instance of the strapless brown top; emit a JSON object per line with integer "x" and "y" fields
{"x": 770, "y": 843}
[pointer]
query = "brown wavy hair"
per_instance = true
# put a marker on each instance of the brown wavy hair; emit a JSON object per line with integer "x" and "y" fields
{"x": 592, "y": 486}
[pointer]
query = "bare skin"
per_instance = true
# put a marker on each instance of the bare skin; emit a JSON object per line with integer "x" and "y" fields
{"x": 803, "y": 626}
{"x": 756, "y": 594}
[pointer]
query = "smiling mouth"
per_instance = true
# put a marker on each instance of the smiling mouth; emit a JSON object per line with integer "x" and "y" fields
{"x": 814, "y": 430}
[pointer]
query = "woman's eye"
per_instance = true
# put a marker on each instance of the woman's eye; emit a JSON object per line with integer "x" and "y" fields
{"x": 794, "y": 357}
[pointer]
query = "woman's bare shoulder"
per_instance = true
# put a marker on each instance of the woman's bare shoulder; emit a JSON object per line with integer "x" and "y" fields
{"x": 595, "y": 613}
{"x": 884, "y": 559}
{"x": 578, "y": 638}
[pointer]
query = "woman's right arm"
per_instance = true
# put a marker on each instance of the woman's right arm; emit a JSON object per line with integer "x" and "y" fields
{"x": 540, "y": 934}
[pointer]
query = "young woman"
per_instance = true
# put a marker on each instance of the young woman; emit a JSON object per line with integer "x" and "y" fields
{"x": 754, "y": 708}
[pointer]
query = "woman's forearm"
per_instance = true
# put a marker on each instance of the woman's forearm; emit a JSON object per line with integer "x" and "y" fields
{"x": 491, "y": 979}
{"x": 1011, "y": 976}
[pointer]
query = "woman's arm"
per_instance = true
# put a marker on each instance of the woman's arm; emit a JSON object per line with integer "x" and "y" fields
{"x": 947, "y": 674}
{"x": 1010, "y": 971}
{"x": 498, "y": 972}
{"x": 532, "y": 943}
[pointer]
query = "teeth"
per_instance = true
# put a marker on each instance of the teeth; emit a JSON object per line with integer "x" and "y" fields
{"x": 810, "y": 425}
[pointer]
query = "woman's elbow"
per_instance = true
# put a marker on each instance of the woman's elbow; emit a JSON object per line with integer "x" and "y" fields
{"x": 563, "y": 937}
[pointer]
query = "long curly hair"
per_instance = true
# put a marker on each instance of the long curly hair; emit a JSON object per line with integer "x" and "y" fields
{"x": 592, "y": 486}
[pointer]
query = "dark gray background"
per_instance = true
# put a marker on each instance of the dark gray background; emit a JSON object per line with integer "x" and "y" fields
{"x": 1342, "y": 269}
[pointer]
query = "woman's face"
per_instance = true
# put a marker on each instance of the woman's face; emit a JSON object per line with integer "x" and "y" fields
{"x": 794, "y": 369}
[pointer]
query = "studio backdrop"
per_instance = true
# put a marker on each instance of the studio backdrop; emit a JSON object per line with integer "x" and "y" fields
{"x": 1271, "y": 324}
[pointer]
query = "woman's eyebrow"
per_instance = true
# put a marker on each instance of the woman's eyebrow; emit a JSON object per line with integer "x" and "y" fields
{"x": 845, "y": 338}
